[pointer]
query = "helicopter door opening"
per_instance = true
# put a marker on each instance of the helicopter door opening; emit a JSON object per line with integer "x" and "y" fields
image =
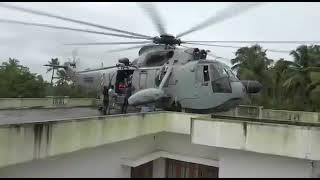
{"x": 143, "y": 77}
{"x": 203, "y": 75}
{"x": 122, "y": 80}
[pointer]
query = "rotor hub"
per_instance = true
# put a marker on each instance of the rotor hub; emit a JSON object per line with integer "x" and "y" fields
{"x": 167, "y": 39}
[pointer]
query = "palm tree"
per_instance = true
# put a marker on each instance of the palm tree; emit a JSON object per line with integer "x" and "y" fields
{"x": 300, "y": 82}
{"x": 278, "y": 75}
{"x": 11, "y": 63}
{"x": 54, "y": 62}
{"x": 62, "y": 77}
{"x": 252, "y": 63}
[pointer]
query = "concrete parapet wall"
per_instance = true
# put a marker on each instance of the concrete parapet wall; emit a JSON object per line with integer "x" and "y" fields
{"x": 299, "y": 116}
{"x": 260, "y": 113}
{"x": 25, "y": 142}
{"x": 48, "y": 102}
{"x": 270, "y": 138}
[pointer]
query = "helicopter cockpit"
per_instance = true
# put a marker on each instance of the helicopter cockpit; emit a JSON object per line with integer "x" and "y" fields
{"x": 216, "y": 73}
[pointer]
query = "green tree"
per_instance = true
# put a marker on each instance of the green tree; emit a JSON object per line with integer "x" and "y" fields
{"x": 278, "y": 74}
{"x": 300, "y": 82}
{"x": 17, "y": 81}
{"x": 62, "y": 77}
{"x": 251, "y": 63}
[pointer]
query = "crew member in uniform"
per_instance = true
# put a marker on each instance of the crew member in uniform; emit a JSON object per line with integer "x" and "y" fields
{"x": 128, "y": 93}
{"x": 105, "y": 99}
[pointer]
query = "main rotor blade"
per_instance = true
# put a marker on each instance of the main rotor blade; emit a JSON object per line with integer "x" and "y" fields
{"x": 98, "y": 69}
{"x": 55, "y": 66}
{"x": 109, "y": 43}
{"x": 259, "y": 42}
{"x": 151, "y": 10}
{"x": 227, "y": 13}
{"x": 66, "y": 28}
{"x": 41, "y": 13}
{"x": 237, "y": 47}
{"x": 125, "y": 49}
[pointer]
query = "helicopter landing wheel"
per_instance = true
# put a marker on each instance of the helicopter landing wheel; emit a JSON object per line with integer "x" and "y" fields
{"x": 178, "y": 107}
{"x": 103, "y": 110}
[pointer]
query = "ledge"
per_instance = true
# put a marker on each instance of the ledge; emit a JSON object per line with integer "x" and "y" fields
{"x": 45, "y": 139}
{"x": 137, "y": 161}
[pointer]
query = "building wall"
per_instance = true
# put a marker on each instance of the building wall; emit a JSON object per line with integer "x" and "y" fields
{"x": 181, "y": 144}
{"x": 236, "y": 163}
{"x": 97, "y": 162}
{"x": 105, "y": 161}
{"x": 47, "y": 102}
{"x": 316, "y": 169}
{"x": 240, "y": 164}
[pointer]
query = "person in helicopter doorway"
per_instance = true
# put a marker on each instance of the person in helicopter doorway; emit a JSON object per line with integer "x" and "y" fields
{"x": 112, "y": 97}
{"x": 105, "y": 99}
{"x": 128, "y": 93}
{"x": 203, "y": 54}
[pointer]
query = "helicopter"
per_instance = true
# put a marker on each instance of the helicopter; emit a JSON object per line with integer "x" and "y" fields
{"x": 176, "y": 79}
{"x": 166, "y": 72}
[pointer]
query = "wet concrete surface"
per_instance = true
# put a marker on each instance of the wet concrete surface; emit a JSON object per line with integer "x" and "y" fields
{"x": 38, "y": 115}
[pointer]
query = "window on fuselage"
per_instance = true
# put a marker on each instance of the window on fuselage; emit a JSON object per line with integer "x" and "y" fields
{"x": 206, "y": 76}
{"x": 219, "y": 70}
{"x": 202, "y": 74}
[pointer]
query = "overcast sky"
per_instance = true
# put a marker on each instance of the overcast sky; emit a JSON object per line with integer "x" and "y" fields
{"x": 35, "y": 46}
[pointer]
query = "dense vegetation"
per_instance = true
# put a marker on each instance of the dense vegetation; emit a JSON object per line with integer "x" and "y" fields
{"x": 17, "y": 81}
{"x": 293, "y": 85}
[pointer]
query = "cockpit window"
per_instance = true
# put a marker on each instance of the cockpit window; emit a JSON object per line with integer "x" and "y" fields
{"x": 221, "y": 78}
{"x": 232, "y": 76}
{"x": 220, "y": 70}
{"x": 223, "y": 71}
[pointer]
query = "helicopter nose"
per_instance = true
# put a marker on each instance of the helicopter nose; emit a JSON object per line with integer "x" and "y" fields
{"x": 252, "y": 86}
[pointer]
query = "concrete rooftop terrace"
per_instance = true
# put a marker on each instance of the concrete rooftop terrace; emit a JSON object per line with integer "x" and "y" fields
{"x": 25, "y": 142}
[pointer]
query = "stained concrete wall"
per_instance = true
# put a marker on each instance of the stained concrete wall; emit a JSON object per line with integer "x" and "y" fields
{"x": 105, "y": 161}
{"x": 299, "y": 116}
{"x": 99, "y": 162}
{"x": 260, "y": 113}
{"x": 241, "y": 164}
{"x": 40, "y": 140}
{"x": 182, "y": 144}
{"x": 48, "y": 102}
{"x": 185, "y": 134}
{"x": 269, "y": 138}
{"x": 315, "y": 169}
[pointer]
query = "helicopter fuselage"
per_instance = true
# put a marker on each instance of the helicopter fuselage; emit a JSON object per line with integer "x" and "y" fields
{"x": 193, "y": 84}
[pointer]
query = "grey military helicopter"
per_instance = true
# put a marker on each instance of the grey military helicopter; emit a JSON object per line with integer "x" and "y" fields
{"x": 166, "y": 72}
